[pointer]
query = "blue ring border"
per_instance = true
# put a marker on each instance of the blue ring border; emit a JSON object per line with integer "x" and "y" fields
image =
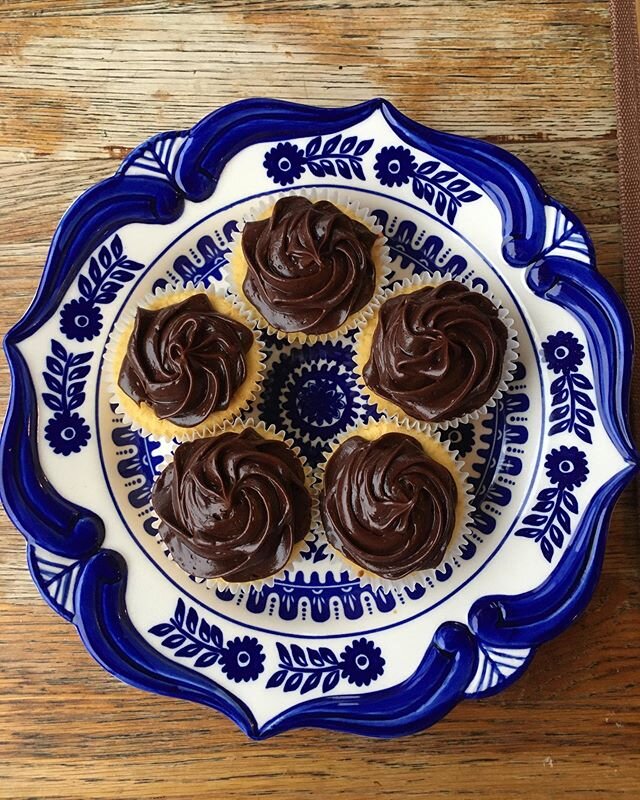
{"x": 63, "y": 528}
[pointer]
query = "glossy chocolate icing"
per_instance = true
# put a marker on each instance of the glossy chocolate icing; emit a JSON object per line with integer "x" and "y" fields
{"x": 232, "y": 506}
{"x": 185, "y": 360}
{"x": 309, "y": 266}
{"x": 437, "y": 352}
{"x": 387, "y": 505}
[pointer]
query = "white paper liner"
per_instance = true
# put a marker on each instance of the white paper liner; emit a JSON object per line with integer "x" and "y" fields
{"x": 387, "y": 407}
{"x": 345, "y": 202}
{"x": 463, "y": 511}
{"x": 237, "y": 426}
{"x": 124, "y": 324}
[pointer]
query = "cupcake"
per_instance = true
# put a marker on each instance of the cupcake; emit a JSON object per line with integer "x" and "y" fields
{"x": 187, "y": 362}
{"x": 436, "y": 352}
{"x": 308, "y": 269}
{"x": 393, "y": 499}
{"x": 234, "y": 506}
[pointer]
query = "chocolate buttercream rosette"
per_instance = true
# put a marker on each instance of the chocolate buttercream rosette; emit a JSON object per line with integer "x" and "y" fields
{"x": 231, "y": 468}
{"x": 457, "y": 351}
{"x": 184, "y": 362}
{"x": 336, "y": 274}
{"x": 410, "y": 503}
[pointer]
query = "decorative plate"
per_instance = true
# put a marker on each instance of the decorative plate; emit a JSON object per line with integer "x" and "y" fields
{"x": 318, "y": 648}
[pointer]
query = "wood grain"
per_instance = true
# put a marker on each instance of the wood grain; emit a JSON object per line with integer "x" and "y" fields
{"x": 83, "y": 82}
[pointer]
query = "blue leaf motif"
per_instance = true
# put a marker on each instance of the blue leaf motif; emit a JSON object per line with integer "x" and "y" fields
{"x": 311, "y": 682}
{"x": 547, "y": 549}
{"x": 192, "y": 620}
{"x": 53, "y": 365}
{"x": 159, "y": 158}
{"x": 109, "y": 270}
{"x": 298, "y": 655}
{"x": 360, "y": 662}
{"x": 277, "y": 679}
{"x": 189, "y": 651}
{"x": 430, "y": 180}
{"x": 567, "y": 468}
{"x": 570, "y": 502}
{"x": 364, "y": 147}
{"x": 314, "y": 657}
{"x": 563, "y": 238}
{"x": 179, "y": 612}
{"x": 330, "y": 145}
{"x": 570, "y": 403}
{"x": 66, "y": 431}
{"x": 293, "y": 681}
{"x": 57, "y": 577}
{"x": 116, "y": 246}
{"x": 52, "y": 401}
{"x": 286, "y": 162}
{"x": 328, "y": 655}
{"x": 53, "y": 383}
{"x": 348, "y": 144}
{"x": 496, "y": 665}
{"x": 283, "y": 653}
{"x": 331, "y": 680}
{"x": 205, "y": 630}
{"x": 173, "y": 641}
{"x": 240, "y": 658}
{"x": 207, "y": 659}
{"x": 58, "y": 350}
{"x": 313, "y": 146}
{"x": 162, "y": 629}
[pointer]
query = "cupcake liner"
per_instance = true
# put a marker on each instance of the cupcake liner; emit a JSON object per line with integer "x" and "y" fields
{"x": 363, "y": 349}
{"x": 342, "y": 200}
{"x": 237, "y": 426}
{"x": 141, "y": 417}
{"x": 439, "y": 451}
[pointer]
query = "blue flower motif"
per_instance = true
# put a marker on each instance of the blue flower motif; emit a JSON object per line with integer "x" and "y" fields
{"x": 66, "y": 433}
{"x": 311, "y": 393}
{"x": 80, "y": 319}
{"x": 242, "y": 659}
{"x": 284, "y": 163}
{"x": 566, "y": 467}
{"x": 394, "y": 166}
{"x": 361, "y": 662}
{"x": 460, "y": 439}
{"x": 317, "y": 396}
{"x": 563, "y": 352}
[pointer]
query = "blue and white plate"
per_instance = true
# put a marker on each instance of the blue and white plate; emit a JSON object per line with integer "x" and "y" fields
{"x": 318, "y": 648}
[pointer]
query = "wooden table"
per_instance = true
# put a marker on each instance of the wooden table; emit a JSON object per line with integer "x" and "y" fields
{"x": 81, "y": 83}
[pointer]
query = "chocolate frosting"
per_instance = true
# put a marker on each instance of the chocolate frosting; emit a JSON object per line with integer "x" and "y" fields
{"x": 232, "y": 506}
{"x": 309, "y": 266}
{"x": 437, "y": 352}
{"x": 387, "y": 505}
{"x": 185, "y": 360}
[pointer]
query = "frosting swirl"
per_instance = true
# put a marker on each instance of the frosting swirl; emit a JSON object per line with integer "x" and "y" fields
{"x": 232, "y": 506}
{"x": 309, "y": 266}
{"x": 387, "y": 505}
{"x": 437, "y": 352}
{"x": 185, "y": 360}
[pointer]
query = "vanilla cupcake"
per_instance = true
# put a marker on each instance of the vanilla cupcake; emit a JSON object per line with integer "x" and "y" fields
{"x": 308, "y": 268}
{"x": 435, "y": 351}
{"x": 186, "y": 363}
{"x": 393, "y": 501}
{"x": 234, "y": 508}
